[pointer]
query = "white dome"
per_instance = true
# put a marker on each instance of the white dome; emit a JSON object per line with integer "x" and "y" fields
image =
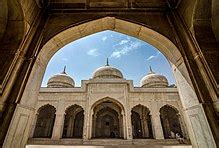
{"x": 154, "y": 80}
{"x": 61, "y": 80}
{"x": 107, "y": 72}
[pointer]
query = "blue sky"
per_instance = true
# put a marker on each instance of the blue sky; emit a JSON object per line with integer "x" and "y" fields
{"x": 130, "y": 55}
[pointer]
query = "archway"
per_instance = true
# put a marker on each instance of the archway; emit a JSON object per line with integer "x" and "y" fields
{"x": 45, "y": 122}
{"x": 141, "y": 122}
{"x": 170, "y": 122}
{"x": 194, "y": 114}
{"x": 107, "y": 120}
{"x": 74, "y": 121}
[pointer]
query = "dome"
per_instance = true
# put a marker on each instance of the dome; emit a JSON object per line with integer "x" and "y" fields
{"x": 107, "y": 71}
{"x": 61, "y": 80}
{"x": 154, "y": 80}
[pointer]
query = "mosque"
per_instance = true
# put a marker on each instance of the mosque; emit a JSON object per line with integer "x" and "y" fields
{"x": 107, "y": 107}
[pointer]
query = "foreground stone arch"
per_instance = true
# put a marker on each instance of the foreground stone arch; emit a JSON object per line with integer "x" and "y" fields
{"x": 193, "y": 111}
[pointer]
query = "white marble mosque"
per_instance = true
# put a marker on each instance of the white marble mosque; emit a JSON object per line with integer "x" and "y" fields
{"x": 107, "y": 107}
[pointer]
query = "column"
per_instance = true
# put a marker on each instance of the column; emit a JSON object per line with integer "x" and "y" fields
{"x": 70, "y": 126}
{"x": 86, "y": 129}
{"x": 33, "y": 125}
{"x": 125, "y": 126}
{"x": 129, "y": 125}
{"x": 157, "y": 127}
{"x": 94, "y": 125}
{"x": 184, "y": 134}
{"x": 58, "y": 126}
{"x": 145, "y": 125}
{"x": 120, "y": 126}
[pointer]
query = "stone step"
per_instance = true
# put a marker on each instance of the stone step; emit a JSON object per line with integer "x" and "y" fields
{"x": 106, "y": 143}
{"x": 123, "y": 146}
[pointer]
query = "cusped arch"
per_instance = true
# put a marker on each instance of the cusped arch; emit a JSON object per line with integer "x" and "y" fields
{"x": 108, "y": 99}
{"x": 171, "y": 106}
{"x": 139, "y": 104}
{"x": 45, "y": 105}
{"x": 72, "y": 105}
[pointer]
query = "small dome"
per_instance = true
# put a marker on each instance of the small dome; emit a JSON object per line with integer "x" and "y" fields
{"x": 107, "y": 71}
{"x": 61, "y": 80}
{"x": 154, "y": 80}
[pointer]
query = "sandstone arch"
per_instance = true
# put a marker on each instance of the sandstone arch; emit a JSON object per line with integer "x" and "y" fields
{"x": 194, "y": 113}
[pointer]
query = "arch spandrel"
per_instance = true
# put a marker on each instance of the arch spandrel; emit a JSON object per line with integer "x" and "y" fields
{"x": 156, "y": 21}
{"x": 113, "y": 24}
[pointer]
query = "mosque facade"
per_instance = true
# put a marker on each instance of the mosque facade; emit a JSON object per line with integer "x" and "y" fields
{"x": 107, "y": 106}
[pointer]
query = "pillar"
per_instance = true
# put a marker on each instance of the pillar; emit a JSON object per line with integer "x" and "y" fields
{"x": 120, "y": 126}
{"x": 94, "y": 125}
{"x": 157, "y": 127}
{"x": 34, "y": 125}
{"x": 145, "y": 125}
{"x": 86, "y": 131}
{"x": 181, "y": 125}
{"x": 58, "y": 126}
{"x": 70, "y": 127}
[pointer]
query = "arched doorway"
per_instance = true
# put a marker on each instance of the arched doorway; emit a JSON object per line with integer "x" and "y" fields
{"x": 74, "y": 121}
{"x": 45, "y": 122}
{"x": 141, "y": 122}
{"x": 107, "y": 120}
{"x": 192, "y": 108}
{"x": 170, "y": 121}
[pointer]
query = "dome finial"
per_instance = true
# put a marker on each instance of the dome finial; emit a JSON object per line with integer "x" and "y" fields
{"x": 151, "y": 71}
{"x": 64, "y": 70}
{"x": 107, "y": 62}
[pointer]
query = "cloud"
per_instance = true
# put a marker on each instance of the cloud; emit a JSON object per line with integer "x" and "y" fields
{"x": 64, "y": 59}
{"x": 153, "y": 56}
{"x": 124, "y": 47}
{"x": 123, "y": 42}
{"x": 104, "y": 38}
{"x": 93, "y": 52}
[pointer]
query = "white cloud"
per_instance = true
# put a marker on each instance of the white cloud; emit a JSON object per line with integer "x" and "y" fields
{"x": 124, "y": 47}
{"x": 64, "y": 59}
{"x": 93, "y": 52}
{"x": 104, "y": 38}
{"x": 123, "y": 42}
{"x": 153, "y": 56}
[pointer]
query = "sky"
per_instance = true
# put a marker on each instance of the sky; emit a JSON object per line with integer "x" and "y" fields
{"x": 131, "y": 56}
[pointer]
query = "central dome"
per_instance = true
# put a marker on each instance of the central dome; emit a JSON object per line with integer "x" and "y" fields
{"x": 106, "y": 72}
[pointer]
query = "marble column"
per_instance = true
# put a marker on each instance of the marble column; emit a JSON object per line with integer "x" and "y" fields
{"x": 120, "y": 126}
{"x": 33, "y": 125}
{"x": 86, "y": 129}
{"x": 94, "y": 125}
{"x": 58, "y": 126}
{"x": 125, "y": 131}
{"x": 145, "y": 125}
{"x": 157, "y": 127}
{"x": 70, "y": 126}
